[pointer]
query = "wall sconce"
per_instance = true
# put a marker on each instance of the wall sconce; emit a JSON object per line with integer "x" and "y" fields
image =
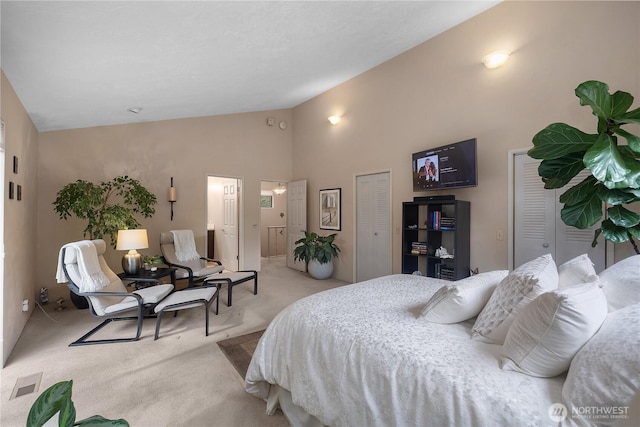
{"x": 334, "y": 120}
{"x": 495, "y": 59}
{"x": 280, "y": 189}
{"x": 172, "y": 197}
{"x": 130, "y": 240}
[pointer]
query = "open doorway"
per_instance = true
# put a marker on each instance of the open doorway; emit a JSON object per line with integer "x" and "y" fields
{"x": 224, "y": 220}
{"x": 273, "y": 224}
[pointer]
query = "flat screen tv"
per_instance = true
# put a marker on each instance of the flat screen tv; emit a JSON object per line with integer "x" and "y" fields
{"x": 448, "y": 166}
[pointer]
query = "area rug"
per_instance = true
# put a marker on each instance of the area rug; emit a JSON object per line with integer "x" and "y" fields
{"x": 240, "y": 349}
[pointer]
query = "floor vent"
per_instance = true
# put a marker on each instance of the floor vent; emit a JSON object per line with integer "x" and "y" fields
{"x": 26, "y": 385}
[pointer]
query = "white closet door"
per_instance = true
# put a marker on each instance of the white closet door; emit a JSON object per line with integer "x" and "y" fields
{"x": 373, "y": 222}
{"x": 297, "y": 219}
{"x": 229, "y": 252}
{"x": 538, "y": 228}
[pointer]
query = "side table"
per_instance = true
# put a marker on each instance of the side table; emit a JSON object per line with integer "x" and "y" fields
{"x": 146, "y": 278}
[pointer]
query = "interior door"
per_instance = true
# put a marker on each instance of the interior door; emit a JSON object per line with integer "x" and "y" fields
{"x": 297, "y": 219}
{"x": 229, "y": 247}
{"x": 373, "y": 222}
{"x": 538, "y": 228}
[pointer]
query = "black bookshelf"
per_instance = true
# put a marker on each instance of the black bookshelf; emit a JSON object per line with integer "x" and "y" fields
{"x": 428, "y": 224}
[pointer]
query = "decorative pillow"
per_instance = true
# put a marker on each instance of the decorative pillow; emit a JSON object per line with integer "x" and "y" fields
{"x": 547, "y": 333}
{"x": 605, "y": 373}
{"x": 621, "y": 283}
{"x": 575, "y": 271}
{"x": 515, "y": 291}
{"x": 462, "y": 299}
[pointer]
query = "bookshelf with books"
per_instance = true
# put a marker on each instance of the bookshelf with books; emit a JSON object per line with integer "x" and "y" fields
{"x": 430, "y": 225}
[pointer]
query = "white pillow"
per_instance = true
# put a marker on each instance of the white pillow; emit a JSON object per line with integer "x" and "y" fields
{"x": 462, "y": 299}
{"x": 547, "y": 333}
{"x": 621, "y": 283}
{"x": 606, "y": 371}
{"x": 515, "y": 291}
{"x": 575, "y": 271}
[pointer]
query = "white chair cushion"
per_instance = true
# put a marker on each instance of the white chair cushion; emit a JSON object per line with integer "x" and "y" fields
{"x": 621, "y": 283}
{"x": 462, "y": 299}
{"x": 519, "y": 288}
{"x": 150, "y": 295}
{"x": 234, "y": 276}
{"x": 576, "y": 271}
{"x": 184, "y": 296}
{"x": 547, "y": 333}
{"x": 606, "y": 371}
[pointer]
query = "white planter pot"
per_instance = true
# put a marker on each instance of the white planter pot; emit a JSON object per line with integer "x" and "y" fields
{"x": 320, "y": 271}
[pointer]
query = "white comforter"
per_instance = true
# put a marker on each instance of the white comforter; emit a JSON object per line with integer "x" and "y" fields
{"x": 360, "y": 355}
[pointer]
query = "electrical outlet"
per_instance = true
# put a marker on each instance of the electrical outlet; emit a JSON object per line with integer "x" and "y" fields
{"x": 499, "y": 235}
{"x": 25, "y": 305}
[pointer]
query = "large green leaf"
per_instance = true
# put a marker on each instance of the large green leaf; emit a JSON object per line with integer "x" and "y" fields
{"x": 556, "y": 173}
{"x": 99, "y": 421}
{"x": 633, "y": 141}
{"x": 559, "y": 139}
{"x": 632, "y": 116}
{"x": 614, "y": 197}
{"x": 606, "y": 163}
{"x": 583, "y": 214}
{"x": 614, "y": 233}
{"x": 596, "y": 95}
{"x": 580, "y": 192}
{"x": 623, "y": 217}
{"x": 49, "y": 403}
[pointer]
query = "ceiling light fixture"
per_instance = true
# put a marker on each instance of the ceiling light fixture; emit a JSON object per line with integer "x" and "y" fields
{"x": 134, "y": 110}
{"x": 280, "y": 189}
{"x": 495, "y": 59}
{"x": 334, "y": 120}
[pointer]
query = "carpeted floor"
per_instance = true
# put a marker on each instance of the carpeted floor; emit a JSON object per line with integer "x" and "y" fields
{"x": 182, "y": 379}
{"x": 239, "y": 350}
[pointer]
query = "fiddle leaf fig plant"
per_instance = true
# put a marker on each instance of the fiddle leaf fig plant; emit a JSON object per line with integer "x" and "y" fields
{"x": 614, "y": 166}
{"x": 108, "y": 206}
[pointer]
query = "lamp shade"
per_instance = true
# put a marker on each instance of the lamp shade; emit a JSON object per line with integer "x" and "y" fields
{"x": 132, "y": 239}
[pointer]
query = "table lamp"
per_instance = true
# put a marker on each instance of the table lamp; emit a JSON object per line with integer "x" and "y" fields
{"x": 131, "y": 240}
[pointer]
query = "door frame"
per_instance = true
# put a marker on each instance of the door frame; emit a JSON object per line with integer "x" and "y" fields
{"x": 354, "y": 220}
{"x": 511, "y": 155}
{"x": 240, "y": 192}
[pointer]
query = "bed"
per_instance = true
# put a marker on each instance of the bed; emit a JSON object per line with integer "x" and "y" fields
{"x": 361, "y": 355}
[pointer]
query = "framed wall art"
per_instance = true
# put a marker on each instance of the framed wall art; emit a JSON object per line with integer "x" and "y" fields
{"x": 331, "y": 209}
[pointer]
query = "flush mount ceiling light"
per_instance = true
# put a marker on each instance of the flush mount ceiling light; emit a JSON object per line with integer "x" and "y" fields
{"x": 495, "y": 59}
{"x": 334, "y": 120}
{"x": 134, "y": 110}
{"x": 280, "y": 189}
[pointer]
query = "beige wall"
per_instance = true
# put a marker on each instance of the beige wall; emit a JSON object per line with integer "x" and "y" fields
{"x": 434, "y": 94}
{"x": 238, "y": 145}
{"x": 21, "y": 261}
{"x": 439, "y": 93}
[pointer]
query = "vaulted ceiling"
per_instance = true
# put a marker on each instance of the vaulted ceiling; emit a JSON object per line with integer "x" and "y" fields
{"x": 79, "y": 64}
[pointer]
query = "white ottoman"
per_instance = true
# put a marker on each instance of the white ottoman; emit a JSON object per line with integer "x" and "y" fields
{"x": 187, "y": 298}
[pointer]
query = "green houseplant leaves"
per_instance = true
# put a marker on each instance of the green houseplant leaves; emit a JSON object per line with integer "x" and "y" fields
{"x": 108, "y": 206}
{"x": 614, "y": 166}
{"x": 313, "y": 246}
{"x": 57, "y": 399}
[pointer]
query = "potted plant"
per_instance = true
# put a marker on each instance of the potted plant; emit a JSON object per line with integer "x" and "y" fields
{"x": 318, "y": 253}
{"x": 614, "y": 167}
{"x": 108, "y": 207}
{"x": 152, "y": 262}
{"x": 57, "y": 400}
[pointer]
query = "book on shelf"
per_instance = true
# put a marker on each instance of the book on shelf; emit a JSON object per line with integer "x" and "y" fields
{"x": 419, "y": 248}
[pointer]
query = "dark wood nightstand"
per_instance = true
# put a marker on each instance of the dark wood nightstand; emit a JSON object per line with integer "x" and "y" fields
{"x": 146, "y": 278}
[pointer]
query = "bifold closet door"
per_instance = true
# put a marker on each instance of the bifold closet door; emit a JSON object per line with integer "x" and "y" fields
{"x": 538, "y": 228}
{"x": 373, "y": 222}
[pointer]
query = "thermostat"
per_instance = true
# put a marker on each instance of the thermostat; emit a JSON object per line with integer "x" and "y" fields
{"x": 283, "y": 125}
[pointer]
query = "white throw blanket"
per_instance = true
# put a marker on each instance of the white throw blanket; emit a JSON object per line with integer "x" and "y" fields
{"x": 92, "y": 277}
{"x": 185, "y": 245}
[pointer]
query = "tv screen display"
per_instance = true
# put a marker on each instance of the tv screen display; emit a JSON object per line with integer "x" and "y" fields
{"x": 448, "y": 166}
